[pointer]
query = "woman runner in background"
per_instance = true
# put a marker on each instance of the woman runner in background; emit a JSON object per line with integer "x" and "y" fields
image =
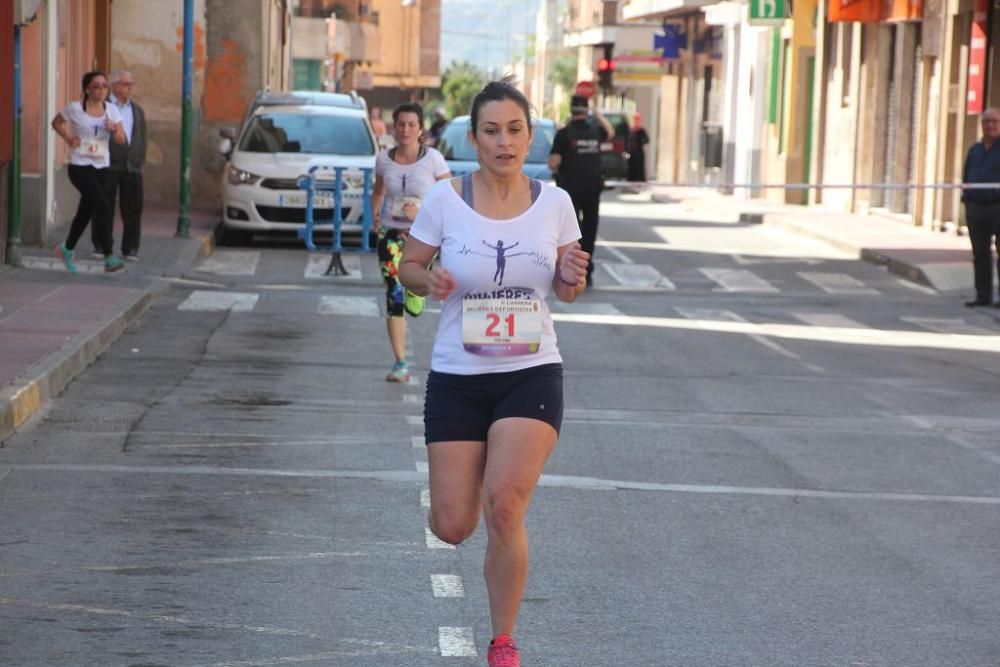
{"x": 87, "y": 126}
{"x": 403, "y": 175}
{"x": 494, "y": 393}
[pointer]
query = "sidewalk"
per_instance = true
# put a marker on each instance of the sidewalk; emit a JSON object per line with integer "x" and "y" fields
{"x": 53, "y": 324}
{"x": 937, "y": 259}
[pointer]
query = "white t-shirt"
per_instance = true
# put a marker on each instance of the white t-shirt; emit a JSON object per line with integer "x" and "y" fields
{"x": 406, "y": 183}
{"x": 494, "y": 259}
{"x": 95, "y": 141}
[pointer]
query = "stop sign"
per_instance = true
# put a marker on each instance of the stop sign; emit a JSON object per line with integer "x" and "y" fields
{"x": 585, "y": 88}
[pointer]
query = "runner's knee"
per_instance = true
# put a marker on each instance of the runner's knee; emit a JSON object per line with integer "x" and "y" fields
{"x": 453, "y": 528}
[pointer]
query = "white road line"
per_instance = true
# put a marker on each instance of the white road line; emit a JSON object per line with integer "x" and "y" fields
{"x": 425, "y": 498}
{"x": 415, "y": 420}
{"x": 228, "y": 561}
{"x": 551, "y": 481}
{"x": 413, "y": 398}
{"x": 639, "y": 276}
{"x": 837, "y": 283}
{"x": 421, "y": 466}
{"x": 317, "y": 265}
{"x": 587, "y": 307}
{"x": 739, "y": 280}
{"x": 456, "y": 642}
{"x": 418, "y": 441}
{"x": 230, "y": 263}
{"x": 869, "y": 337}
{"x": 365, "y": 306}
{"x": 619, "y": 255}
{"x": 954, "y": 325}
{"x": 204, "y": 300}
{"x": 160, "y": 618}
{"x": 828, "y": 320}
{"x": 447, "y": 586}
{"x": 433, "y": 542}
{"x": 717, "y": 315}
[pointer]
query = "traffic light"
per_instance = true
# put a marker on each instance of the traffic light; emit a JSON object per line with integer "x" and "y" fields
{"x": 606, "y": 70}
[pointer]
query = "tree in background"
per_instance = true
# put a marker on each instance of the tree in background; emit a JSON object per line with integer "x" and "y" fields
{"x": 459, "y": 84}
{"x": 562, "y": 74}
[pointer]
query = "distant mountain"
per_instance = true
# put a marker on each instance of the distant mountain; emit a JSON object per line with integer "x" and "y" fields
{"x": 486, "y": 33}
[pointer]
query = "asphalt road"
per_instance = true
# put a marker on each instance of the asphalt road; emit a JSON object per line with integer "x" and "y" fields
{"x": 773, "y": 455}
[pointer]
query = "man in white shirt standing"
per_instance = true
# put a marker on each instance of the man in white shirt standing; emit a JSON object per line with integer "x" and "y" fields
{"x": 125, "y": 174}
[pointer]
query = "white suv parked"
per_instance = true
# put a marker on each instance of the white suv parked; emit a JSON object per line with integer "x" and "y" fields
{"x": 285, "y": 134}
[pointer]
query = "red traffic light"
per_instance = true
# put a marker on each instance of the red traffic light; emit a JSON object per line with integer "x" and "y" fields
{"x": 605, "y": 65}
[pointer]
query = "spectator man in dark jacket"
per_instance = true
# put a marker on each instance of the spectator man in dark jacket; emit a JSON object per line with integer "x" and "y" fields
{"x": 127, "y": 160}
{"x": 982, "y": 206}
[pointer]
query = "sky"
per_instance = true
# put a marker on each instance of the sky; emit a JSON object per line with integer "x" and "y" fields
{"x": 485, "y": 32}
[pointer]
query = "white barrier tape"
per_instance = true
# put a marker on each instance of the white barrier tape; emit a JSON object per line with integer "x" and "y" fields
{"x": 807, "y": 186}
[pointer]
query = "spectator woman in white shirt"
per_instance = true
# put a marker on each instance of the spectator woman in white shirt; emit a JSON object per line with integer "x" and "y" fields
{"x": 87, "y": 127}
{"x": 403, "y": 175}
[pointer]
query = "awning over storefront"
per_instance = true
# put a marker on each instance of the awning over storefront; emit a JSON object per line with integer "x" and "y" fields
{"x": 635, "y": 10}
{"x": 875, "y": 11}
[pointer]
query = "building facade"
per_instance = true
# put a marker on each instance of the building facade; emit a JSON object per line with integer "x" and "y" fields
{"x": 867, "y": 93}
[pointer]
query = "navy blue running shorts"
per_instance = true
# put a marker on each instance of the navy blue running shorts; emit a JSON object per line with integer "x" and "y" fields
{"x": 463, "y": 407}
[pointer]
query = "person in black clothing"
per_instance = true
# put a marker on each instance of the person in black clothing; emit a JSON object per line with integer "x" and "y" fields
{"x": 575, "y": 160}
{"x": 637, "y": 140}
{"x": 982, "y": 206}
{"x": 437, "y": 127}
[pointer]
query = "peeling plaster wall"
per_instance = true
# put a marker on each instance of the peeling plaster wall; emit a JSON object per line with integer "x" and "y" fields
{"x": 237, "y": 51}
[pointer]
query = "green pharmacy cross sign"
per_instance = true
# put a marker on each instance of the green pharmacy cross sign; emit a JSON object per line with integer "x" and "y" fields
{"x": 768, "y": 12}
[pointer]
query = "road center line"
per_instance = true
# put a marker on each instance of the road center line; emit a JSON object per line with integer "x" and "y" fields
{"x": 550, "y": 481}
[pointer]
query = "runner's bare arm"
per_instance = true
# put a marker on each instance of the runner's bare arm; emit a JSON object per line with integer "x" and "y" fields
{"x": 60, "y": 126}
{"x": 571, "y": 272}
{"x": 415, "y": 275}
{"x": 378, "y": 194}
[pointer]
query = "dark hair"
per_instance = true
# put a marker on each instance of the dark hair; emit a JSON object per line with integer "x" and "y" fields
{"x": 496, "y": 91}
{"x": 409, "y": 107}
{"x": 87, "y": 78}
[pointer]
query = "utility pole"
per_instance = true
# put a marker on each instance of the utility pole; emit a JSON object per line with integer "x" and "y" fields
{"x": 14, "y": 205}
{"x": 184, "y": 219}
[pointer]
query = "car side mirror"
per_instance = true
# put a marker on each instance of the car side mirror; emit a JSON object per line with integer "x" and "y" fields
{"x": 226, "y": 147}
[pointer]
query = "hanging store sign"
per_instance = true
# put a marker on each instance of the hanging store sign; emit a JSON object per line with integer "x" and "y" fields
{"x": 768, "y": 12}
{"x": 864, "y": 11}
{"x": 976, "y": 89}
{"x": 903, "y": 10}
{"x": 670, "y": 40}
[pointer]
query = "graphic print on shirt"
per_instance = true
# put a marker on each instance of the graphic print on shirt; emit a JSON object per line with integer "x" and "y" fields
{"x": 505, "y": 321}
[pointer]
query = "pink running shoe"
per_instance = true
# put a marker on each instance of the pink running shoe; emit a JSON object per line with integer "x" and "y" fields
{"x": 503, "y": 653}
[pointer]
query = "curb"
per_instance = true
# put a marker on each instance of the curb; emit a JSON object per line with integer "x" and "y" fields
{"x": 47, "y": 378}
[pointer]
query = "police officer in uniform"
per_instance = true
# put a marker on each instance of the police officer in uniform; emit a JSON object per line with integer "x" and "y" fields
{"x": 575, "y": 160}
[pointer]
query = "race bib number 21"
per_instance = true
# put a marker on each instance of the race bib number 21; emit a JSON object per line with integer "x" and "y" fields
{"x": 501, "y": 327}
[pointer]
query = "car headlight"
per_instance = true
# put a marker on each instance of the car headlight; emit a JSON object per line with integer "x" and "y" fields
{"x": 354, "y": 180}
{"x": 238, "y": 176}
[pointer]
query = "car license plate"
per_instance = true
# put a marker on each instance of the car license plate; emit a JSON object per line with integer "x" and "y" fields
{"x": 298, "y": 200}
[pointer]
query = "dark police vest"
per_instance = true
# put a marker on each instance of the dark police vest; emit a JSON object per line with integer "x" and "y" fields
{"x": 580, "y": 168}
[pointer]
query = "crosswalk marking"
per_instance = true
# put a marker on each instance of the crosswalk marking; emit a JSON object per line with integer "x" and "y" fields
{"x": 837, "y": 283}
{"x": 56, "y": 264}
{"x": 366, "y": 306}
{"x": 738, "y": 280}
{"x": 318, "y": 263}
{"x": 230, "y": 263}
{"x": 640, "y": 276}
{"x": 207, "y": 300}
{"x": 828, "y": 320}
{"x": 955, "y": 325}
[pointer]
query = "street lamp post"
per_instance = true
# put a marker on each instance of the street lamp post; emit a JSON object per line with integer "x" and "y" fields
{"x": 184, "y": 218}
